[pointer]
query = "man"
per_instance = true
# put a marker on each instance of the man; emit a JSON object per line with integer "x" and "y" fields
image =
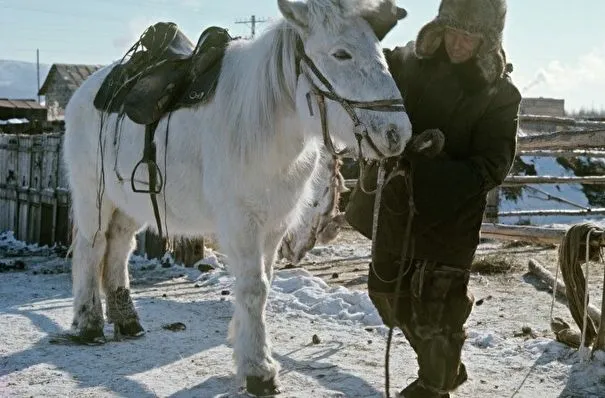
{"x": 454, "y": 79}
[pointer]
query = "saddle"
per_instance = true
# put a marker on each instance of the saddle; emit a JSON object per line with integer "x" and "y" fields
{"x": 168, "y": 73}
{"x": 164, "y": 72}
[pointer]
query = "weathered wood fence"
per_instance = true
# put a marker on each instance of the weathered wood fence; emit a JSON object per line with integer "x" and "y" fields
{"x": 35, "y": 203}
{"x": 589, "y": 143}
{"x": 566, "y": 144}
{"x": 34, "y": 199}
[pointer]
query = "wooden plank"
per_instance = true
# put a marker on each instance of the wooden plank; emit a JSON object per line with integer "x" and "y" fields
{"x": 563, "y": 140}
{"x": 561, "y": 153}
{"x": 554, "y": 212}
{"x": 528, "y": 233}
{"x": 560, "y": 121}
{"x": 523, "y": 180}
{"x": 522, "y": 232}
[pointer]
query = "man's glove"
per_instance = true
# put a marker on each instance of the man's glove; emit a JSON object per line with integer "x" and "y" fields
{"x": 429, "y": 143}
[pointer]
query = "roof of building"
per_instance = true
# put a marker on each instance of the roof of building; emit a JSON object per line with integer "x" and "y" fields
{"x": 14, "y": 121}
{"x": 72, "y": 74}
{"x": 8, "y": 103}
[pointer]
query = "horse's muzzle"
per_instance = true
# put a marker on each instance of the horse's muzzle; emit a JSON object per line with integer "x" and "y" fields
{"x": 393, "y": 138}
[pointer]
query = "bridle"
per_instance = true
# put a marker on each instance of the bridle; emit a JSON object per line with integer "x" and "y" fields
{"x": 360, "y": 130}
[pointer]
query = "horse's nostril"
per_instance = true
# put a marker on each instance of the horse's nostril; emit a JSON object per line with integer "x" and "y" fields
{"x": 393, "y": 137}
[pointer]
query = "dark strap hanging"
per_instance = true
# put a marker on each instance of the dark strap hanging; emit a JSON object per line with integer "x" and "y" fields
{"x": 155, "y": 186}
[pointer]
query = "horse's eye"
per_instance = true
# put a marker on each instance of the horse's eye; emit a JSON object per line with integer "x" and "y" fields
{"x": 341, "y": 55}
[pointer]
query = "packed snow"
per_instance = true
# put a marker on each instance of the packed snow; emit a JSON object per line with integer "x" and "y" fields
{"x": 329, "y": 339}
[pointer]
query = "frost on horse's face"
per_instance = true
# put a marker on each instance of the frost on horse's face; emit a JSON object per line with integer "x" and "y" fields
{"x": 347, "y": 53}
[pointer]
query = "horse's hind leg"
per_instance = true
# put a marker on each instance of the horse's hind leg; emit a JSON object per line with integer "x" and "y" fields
{"x": 87, "y": 263}
{"x": 116, "y": 284}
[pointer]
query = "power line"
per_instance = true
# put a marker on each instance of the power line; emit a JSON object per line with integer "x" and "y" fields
{"x": 252, "y": 21}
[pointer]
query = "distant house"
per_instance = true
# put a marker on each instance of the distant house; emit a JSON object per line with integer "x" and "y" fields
{"x": 543, "y": 106}
{"x": 28, "y": 109}
{"x": 60, "y": 84}
{"x": 18, "y": 115}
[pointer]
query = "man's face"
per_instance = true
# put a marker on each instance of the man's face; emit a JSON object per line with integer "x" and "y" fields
{"x": 461, "y": 45}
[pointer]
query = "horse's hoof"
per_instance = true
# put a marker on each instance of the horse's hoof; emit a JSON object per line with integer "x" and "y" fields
{"x": 129, "y": 330}
{"x": 92, "y": 337}
{"x": 261, "y": 388}
{"x": 84, "y": 337}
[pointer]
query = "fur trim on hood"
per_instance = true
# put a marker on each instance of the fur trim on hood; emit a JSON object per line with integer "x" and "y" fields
{"x": 485, "y": 17}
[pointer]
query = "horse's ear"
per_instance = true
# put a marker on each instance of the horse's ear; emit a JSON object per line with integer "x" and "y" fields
{"x": 296, "y": 12}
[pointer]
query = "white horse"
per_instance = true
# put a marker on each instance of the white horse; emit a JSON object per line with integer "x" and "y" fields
{"x": 240, "y": 166}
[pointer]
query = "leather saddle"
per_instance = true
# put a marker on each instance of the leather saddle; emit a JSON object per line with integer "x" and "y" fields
{"x": 168, "y": 73}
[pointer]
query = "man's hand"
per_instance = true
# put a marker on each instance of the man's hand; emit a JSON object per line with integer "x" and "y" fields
{"x": 428, "y": 143}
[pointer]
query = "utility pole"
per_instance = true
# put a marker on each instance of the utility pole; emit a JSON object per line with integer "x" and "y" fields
{"x": 38, "y": 72}
{"x": 252, "y": 21}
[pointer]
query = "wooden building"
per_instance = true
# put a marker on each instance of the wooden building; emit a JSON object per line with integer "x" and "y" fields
{"x": 542, "y": 106}
{"x": 20, "y": 115}
{"x": 60, "y": 84}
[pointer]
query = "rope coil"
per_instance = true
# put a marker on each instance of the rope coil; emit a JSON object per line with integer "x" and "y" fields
{"x": 580, "y": 236}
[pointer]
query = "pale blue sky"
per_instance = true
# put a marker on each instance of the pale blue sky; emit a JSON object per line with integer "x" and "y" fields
{"x": 556, "y": 45}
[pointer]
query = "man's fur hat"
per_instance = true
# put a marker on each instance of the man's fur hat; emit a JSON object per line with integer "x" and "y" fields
{"x": 485, "y": 17}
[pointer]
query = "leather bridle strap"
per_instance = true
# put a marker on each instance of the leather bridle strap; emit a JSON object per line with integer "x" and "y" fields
{"x": 361, "y": 131}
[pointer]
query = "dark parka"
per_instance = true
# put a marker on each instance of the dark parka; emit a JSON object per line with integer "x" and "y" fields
{"x": 475, "y": 105}
{"x": 479, "y": 121}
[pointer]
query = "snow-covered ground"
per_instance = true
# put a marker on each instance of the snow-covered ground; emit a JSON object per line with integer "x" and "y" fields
{"x": 347, "y": 361}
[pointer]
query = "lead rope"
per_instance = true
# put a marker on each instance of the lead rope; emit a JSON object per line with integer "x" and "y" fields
{"x": 380, "y": 183}
{"x": 584, "y": 351}
{"x": 407, "y": 238}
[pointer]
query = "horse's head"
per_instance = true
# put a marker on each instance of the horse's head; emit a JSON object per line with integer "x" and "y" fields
{"x": 345, "y": 89}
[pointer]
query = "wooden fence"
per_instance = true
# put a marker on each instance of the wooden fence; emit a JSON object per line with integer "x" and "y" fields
{"x": 589, "y": 143}
{"x": 34, "y": 199}
{"x": 35, "y": 203}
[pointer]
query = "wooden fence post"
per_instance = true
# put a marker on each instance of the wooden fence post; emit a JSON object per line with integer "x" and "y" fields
{"x": 491, "y": 210}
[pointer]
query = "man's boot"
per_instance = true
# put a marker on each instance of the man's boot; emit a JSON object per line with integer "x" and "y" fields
{"x": 417, "y": 390}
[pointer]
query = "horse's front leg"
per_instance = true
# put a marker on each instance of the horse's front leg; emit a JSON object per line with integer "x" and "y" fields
{"x": 251, "y": 347}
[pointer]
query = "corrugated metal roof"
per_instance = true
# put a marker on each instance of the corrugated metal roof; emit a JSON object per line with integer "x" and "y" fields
{"x": 7, "y": 103}
{"x": 72, "y": 74}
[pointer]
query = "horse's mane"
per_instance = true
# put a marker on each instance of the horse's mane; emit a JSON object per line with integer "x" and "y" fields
{"x": 258, "y": 83}
{"x": 258, "y": 79}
